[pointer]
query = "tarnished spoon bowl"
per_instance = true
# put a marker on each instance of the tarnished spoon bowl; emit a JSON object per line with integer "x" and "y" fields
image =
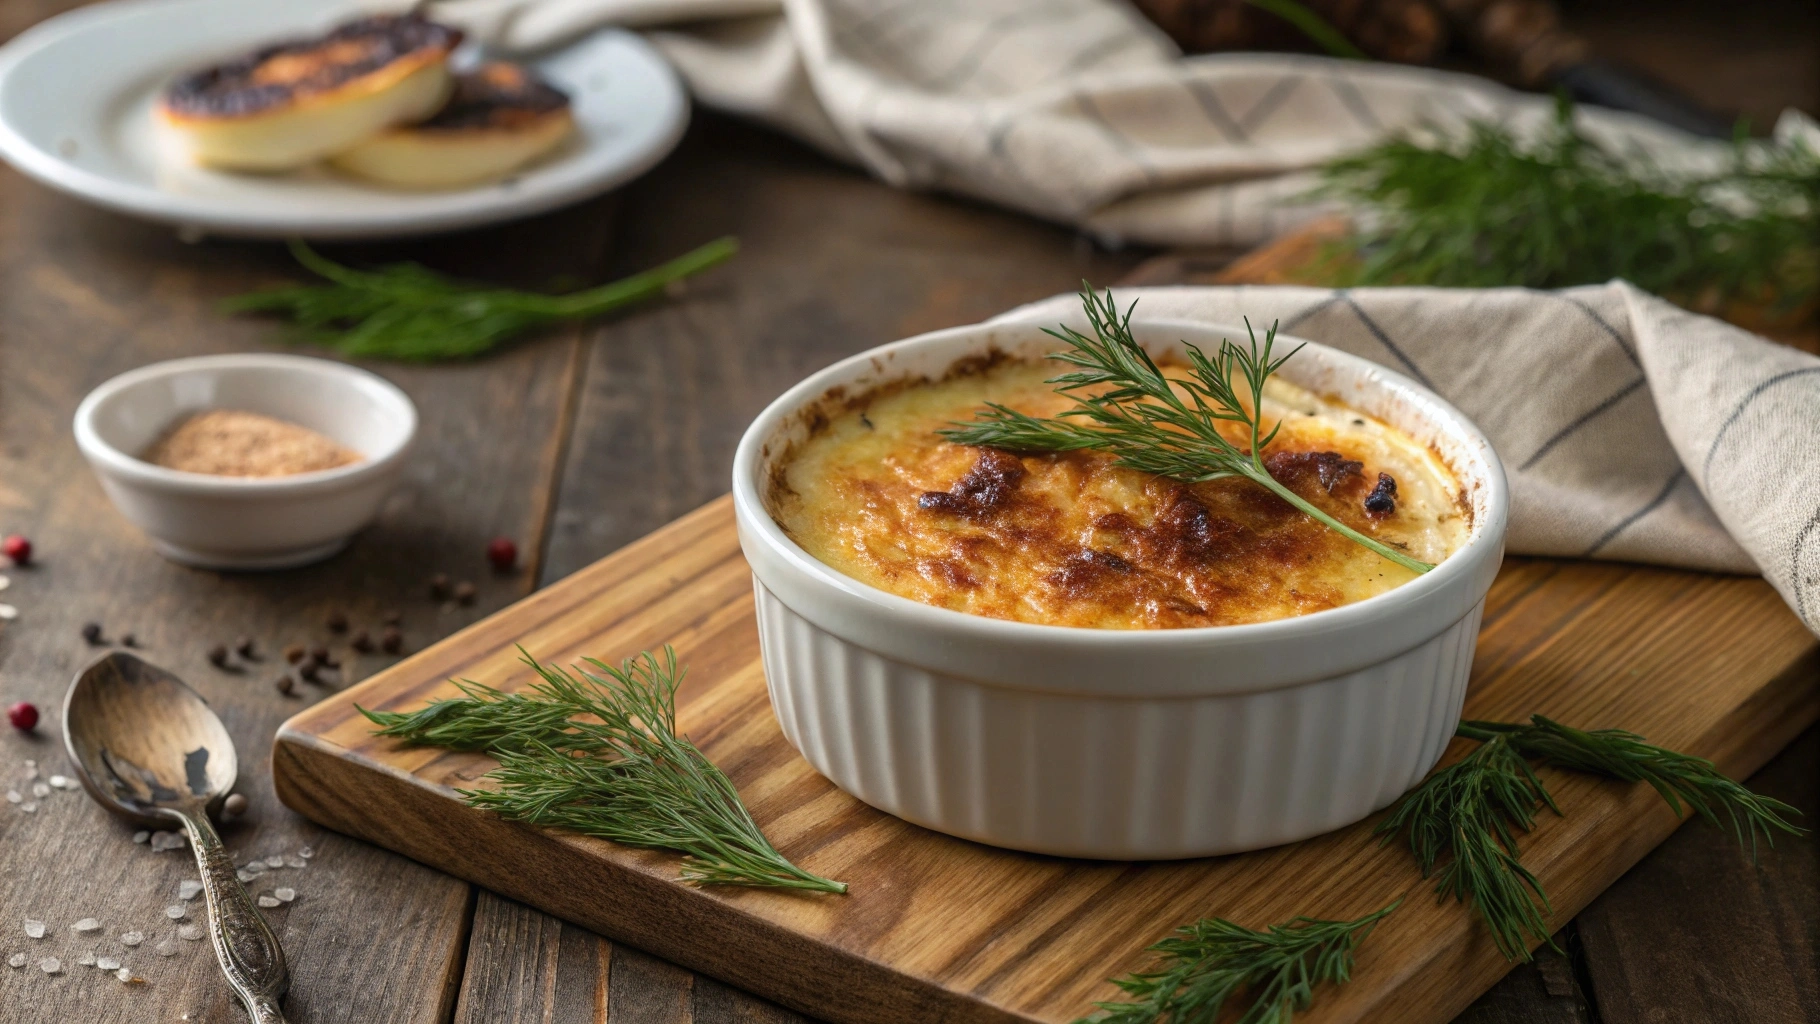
{"x": 148, "y": 748}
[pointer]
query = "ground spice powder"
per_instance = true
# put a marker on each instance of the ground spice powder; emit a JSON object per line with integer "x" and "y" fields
{"x": 228, "y": 442}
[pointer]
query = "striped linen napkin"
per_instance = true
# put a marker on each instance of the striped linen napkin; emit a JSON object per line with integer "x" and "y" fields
{"x": 1077, "y": 111}
{"x": 1630, "y": 428}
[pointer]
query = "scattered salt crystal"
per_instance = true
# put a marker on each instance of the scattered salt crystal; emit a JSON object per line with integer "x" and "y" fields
{"x": 296, "y": 862}
{"x": 29, "y": 807}
{"x": 87, "y": 924}
{"x": 5, "y": 581}
{"x": 285, "y": 895}
{"x": 7, "y": 611}
{"x": 62, "y": 782}
{"x": 267, "y": 902}
{"x": 246, "y": 876}
{"x": 176, "y": 911}
{"x": 40, "y": 790}
{"x": 17, "y": 960}
{"x": 87, "y": 960}
{"x": 189, "y": 932}
{"x": 13, "y": 796}
{"x": 50, "y": 965}
{"x": 31, "y": 768}
{"x": 306, "y": 853}
{"x": 34, "y": 929}
{"x": 188, "y": 888}
{"x": 131, "y": 938}
{"x": 108, "y": 963}
{"x": 125, "y": 974}
{"x": 274, "y": 861}
{"x": 141, "y": 836}
{"x": 167, "y": 948}
{"x": 162, "y": 841}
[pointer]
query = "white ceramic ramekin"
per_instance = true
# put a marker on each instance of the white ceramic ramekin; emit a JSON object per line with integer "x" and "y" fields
{"x": 1138, "y": 744}
{"x": 221, "y": 522}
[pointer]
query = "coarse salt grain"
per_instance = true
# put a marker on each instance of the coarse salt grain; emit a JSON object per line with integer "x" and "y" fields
{"x": 267, "y": 902}
{"x": 34, "y": 929}
{"x": 40, "y": 790}
{"x": 50, "y": 965}
{"x": 274, "y": 861}
{"x": 296, "y": 862}
{"x": 162, "y": 841}
{"x": 86, "y": 960}
{"x": 61, "y": 782}
{"x": 167, "y": 948}
{"x": 87, "y": 924}
{"x": 285, "y": 895}
{"x": 7, "y": 611}
{"x": 5, "y": 581}
{"x": 246, "y": 876}
{"x": 176, "y": 911}
{"x": 108, "y": 963}
{"x": 189, "y": 932}
{"x": 131, "y": 938}
{"x": 13, "y": 796}
{"x": 141, "y": 836}
{"x": 29, "y": 807}
{"x": 17, "y": 960}
{"x": 188, "y": 888}
{"x": 125, "y": 974}
{"x": 306, "y": 853}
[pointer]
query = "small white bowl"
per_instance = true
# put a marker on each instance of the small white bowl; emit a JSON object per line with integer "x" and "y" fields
{"x": 225, "y": 522}
{"x": 1126, "y": 744}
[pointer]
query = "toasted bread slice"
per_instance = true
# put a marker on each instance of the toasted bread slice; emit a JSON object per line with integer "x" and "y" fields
{"x": 501, "y": 118}
{"x": 292, "y": 103}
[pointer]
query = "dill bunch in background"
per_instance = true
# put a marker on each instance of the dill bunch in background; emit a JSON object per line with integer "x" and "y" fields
{"x": 1486, "y": 209}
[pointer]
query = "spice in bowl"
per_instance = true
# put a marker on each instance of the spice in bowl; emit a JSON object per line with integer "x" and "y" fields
{"x": 229, "y": 442}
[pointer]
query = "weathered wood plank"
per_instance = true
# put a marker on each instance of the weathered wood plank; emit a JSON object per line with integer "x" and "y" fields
{"x": 85, "y": 295}
{"x": 1697, "y": 932}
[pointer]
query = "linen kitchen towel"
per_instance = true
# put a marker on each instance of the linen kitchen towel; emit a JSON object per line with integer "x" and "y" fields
{"x": 1630, "y": 428}
{"x": 1077, "y": 111}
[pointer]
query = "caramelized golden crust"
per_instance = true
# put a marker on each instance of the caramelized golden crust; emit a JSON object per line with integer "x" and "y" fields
{"x": 1071, "y": 539}
{"x": 497, "y": 97}
{"x": 381, "y": 48}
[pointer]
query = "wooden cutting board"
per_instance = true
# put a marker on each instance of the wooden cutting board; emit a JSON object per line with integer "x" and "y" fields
{"x": 938, "y": 929}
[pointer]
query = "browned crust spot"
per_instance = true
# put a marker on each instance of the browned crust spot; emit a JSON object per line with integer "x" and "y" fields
{"x": 498, "y": 97}
{"x": 296, "y": 70}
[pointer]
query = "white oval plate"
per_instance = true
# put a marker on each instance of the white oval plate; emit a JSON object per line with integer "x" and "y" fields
{"x": 75, "y": 113}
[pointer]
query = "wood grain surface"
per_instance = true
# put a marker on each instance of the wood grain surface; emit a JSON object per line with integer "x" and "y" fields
{"x": 937, "y": 928}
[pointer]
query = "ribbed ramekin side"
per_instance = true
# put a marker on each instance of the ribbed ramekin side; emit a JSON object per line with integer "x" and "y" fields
{"x": 1106, "y": 777}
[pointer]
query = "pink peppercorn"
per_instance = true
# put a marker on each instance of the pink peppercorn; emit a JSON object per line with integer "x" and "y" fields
{"x": 23, "y": 715}
{"x": 502, "y": 553}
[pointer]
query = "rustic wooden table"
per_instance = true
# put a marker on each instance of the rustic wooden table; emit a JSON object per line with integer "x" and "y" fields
{"x": 574, "y": 444}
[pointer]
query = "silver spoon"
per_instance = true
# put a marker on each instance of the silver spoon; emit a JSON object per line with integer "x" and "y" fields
{"x": 150, "y": 750}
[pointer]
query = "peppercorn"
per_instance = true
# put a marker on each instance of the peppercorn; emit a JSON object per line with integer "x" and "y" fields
{"x": 391, "y": 641}
{"x": 218, "y": 656}
{"x": 17, "y": 548}
{"x": 235, "y": 804}
{"x": 308, "y": 671}
{"x": 439, "y": 586}
{"x": 465, "y": 592}
{"x": 392, "y": 617}
{"x": 361, "y": 641}
{"x": 338, "y": 621}
{"x": 502, "y": 553}
{"x": 129, "y": 640}
{"x": 293, "y": 653}
{"x": 320, "y": 653}
{"x": 246, "y": 647}
{"x": 91, "y": 631}
{"x": 23, "y": 715}
{"x": 284, "y": 685}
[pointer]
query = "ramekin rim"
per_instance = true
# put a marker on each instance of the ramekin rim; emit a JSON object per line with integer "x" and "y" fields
{"x": 1487, "y": 533}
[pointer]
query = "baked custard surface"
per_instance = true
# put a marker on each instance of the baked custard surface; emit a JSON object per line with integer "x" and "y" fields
{"x": 1071, "y": 539}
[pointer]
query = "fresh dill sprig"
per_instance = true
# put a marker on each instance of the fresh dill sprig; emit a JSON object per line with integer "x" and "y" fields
{"x": 1166, "y": 426}
{"x": 1212, "y": 961}
{"x": 1483, "y": 208}
{"x": 1461, "y": 822}
{"x": 408, "y": 312}
{"x": 596, "y": 752}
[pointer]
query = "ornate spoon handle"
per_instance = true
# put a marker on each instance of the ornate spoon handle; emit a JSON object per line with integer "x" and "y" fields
{"x": 249, "y": 952}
